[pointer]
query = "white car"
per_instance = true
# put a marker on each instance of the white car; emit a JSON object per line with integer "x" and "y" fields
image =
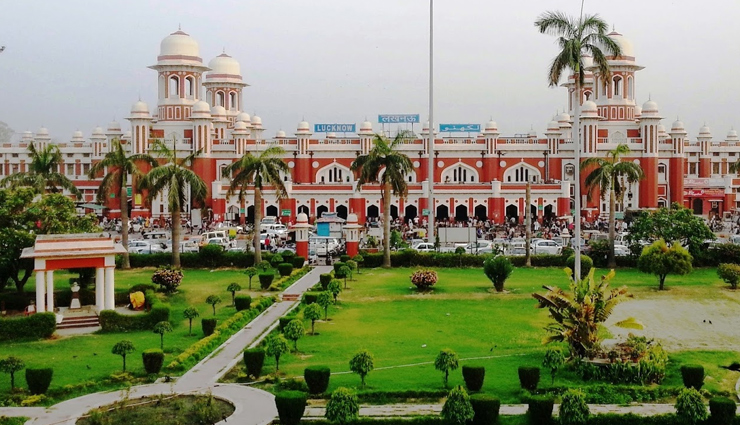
{"x": 546, "y": 246}
{"x": 621, "y": 250}
{"x": 424, "y": 247}
{"x": 145, "y": 247}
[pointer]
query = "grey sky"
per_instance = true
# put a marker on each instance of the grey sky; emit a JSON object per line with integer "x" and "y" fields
{"x": 75, "y": 64}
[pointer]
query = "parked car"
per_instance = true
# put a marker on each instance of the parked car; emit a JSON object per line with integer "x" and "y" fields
{"x": 546, "y": 246}
{"x": 621, "y": 250}
{"x": 146, "y": 247}
{"x": 424, "y": 247}
{"x": 223, "y": 243}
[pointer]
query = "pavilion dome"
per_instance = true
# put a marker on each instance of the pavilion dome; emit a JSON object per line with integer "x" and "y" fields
{"x": 624, "y": 44}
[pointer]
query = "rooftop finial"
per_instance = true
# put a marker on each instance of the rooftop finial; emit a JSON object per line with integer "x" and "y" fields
{"x": 650, "y": 96}
{"x": 179, "y": 27}
{"x": 224, "y": 50}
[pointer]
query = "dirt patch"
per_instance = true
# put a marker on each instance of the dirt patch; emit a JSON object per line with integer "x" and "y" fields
{"x": 683, "y": 324}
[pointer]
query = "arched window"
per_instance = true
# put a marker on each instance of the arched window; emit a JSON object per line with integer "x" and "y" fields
{"x": 174, "y": 86}
{"x": 617, "y": 86}
{"x": 522, "y": 173}
{"x": 220, "y": 98}
{"x": 459, "y": 173}
{"x": 232, "y": 101}
{"x": 189, "y": 87}
{"x": 587, "y": 94}
{"x": 334, "y": 173}
{"x": 630, "y": 88}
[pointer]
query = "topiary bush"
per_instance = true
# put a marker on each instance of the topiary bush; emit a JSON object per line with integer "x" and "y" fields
{"x": 298, "y": 261}
{"x": 290, "y": 406}
{"x": 586, "y": 264}
{"x": 211, "y": 255}
{"x": 276, "y": 259}
{"x": 288, "y": 256}
{"x": 208, "y": 326}
{"x": 38, "y": 380}
{"x": 254, "y": 359}
{"x": 539, "y": 411}
{"x": 344, "y": 258}
{"x": 324, "y": 279}
{"x": 473, "y": 376}
{"x": 242, "y": 302}
{"x": 573, "y": 408}
{"x": 266, "y": 280}
{"x": 343, "y": 406}
{"x": 310, "y": 297}
{"x": 317, "y": 378}
{"x": 693, "y": 376}
{"x": 730, "y": 273}
{"x": 690, "y": 406}
{"x": 153, "y": 359}
{"x": 529, "y": 377}
{"x": 485, "y": 408}
{"x": 168, "y": 278}
{"x": 283, "y": 321}
{"x": 457, "y": 409}
{"x": 424, "y": 279}
{"x": 722, "y": 411}
{"x": 285, "y": 269}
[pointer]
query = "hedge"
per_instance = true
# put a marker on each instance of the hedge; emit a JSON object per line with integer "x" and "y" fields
{"x": 193, "y": 260}
{"x": 486, "y": 409}
{"x": 266, "y": 280}
{"x": 540, "y": 410}
{"x": 604, "y": 419}
{"x": 529, "y": 377}
{"x": 38, "y": 380}
{"x": 411, "y": 258}
{"x": 317, "y": 378}
{"x": 209, "y": 326}
{"x": 242, "y": 302}
{"x": 224, "y": 331}
{"x": 324, "y": 279}
{"x": 254, "y": 359}
{"x": 723, "y": 411}
{"x": 298, "y": 261}
{"x": 39, "y": 325}
{"x": 286, "y": 281}
{"x": 285, "y": 269}
{"x": 473, "y": 376}
{"x": 111, "y": 321}
{"x": 290, "y": 406}
{"x": 693, "y": 376}
{"x": 310, "y": 297}
{"x": 153, "y": 359}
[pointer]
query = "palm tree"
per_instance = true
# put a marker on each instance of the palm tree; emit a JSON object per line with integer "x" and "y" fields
{"x": 43, "y": 173}
{"x": 609, "y": 174}
{"x": 587, "y": 34}
{"x": 384, "y": 157}
{"x": 119, "y": 167}
{"x": 260, "y": 171}
{"x": 175, "y": 178}
{"x": 735, "y": 166}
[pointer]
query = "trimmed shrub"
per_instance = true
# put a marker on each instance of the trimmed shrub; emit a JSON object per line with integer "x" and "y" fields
{"x": 153, "y": 359}
{"x": 324, "y": 279}
{"x": 473, "y": 376}
{"x": 424, "y": 279}
{"x": 38, "y": 380}
{"x": 344, "y": 258}
{"x": 39, "y": 325}
{"x": 242, "y": 302}
{"x": 486, "y": 408}
{"x": 111, "y": 321}
{"x": 690, "y": 406}
{"x": 168, "y": 278}
{"x": 693, "y": 376}
{"x": 276, "y": 259}
{"x": 298, "y": 261}
{"x": 211, "y": 255}
{"x": 310, "y": 297}
{"x": 317, "y": 378}
{"x": 285, "y": 269}
{"x": 529, "y": 377}
{"x": 539, "y": 410}
{"x": 283, "y": 321}
{"x": 730, "y": 273}
{"x": 497, "y": 270}
{"x": 586, "y": 264}
{"x": 343, "y": 406}
{"x": 208, "y": 326}
{"x": 722, "y": 411}
{"x": 573, "y": 408}
{"x": 266, "y": 280}
{"x": 254, "y": 359}
{"x": 288, "y": 256}
{"x": 337, "y": 270}
{"x": 457, "y": 408}
{"x": 290, "y": 406}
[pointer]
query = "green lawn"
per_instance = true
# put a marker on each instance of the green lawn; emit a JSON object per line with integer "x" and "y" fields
{"x": 381, "y": 312}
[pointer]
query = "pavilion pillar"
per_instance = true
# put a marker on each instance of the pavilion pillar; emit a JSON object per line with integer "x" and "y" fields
{"x": 40, "y": 291}
{"x": 110, "y": 302}
{"x": 100, "y": 288}
{"x": 50, "y": 290}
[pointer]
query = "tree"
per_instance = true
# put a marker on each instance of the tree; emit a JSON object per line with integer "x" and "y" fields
{"x": 257, "y": 171}
{"x": 213, "y": 300}
{"x": 577, "y": 314}
{"x": 460, "y": 250}
{"x": 123, "y": 348}
{"x": 119, "y": 167}
{"x": 324, "y": 300}
{"x": 554, "y": 359}
{"x": 352, "y": 265}
{"x": 174, "y": 180}
{"x": 43, "y": 174}
{"x": 190, "y": 313}
{"x": 610, "y": 175}
{"x": 690, "y": 407}
{"x": 293, "y": 331}
{"x": 385, "y": 157}
{"x": 335, "y": 288}
{"x": 358, "y": 259}
{"x": 661, "y": 261}
{"x": 587, "y": 34}
{"x": 497, "y": 270}
{"x": 361, "y": 364}
{"x": 677, "y": 224}
{"x": 446, "y": 361}
{"x": 730, "y": 273}
{"x": 251, "y": 272}
{"x": 457, "y": 409}
{"x": 573, "y": 408}
{"x": 233, "y": 288}
{"x": 345, "y": 271}
{"x": 343, "y": 406}
{"x": 162, "y": 328}
{"x": 277, "y": 345}
{"x": 312, "y": 312}
{"x": 11, "y": 365}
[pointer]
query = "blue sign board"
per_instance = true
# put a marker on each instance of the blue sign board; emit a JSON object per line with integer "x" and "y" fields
{"x": 398, "y": 118}
{"x": 459, "y": 128}
{"x": 334, "y": 128}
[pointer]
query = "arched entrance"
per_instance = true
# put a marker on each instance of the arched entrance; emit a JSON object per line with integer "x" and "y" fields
{"x": 461, "y": 213}
{"x": 512, "y": 211}
{"x": 250, "y": 214}
{"x": 443, "y": 213}
{"x": 342, "y": 211}
{"x": 410, "y": 213}
{"x": 481, "y": 212}
{"x": 233, "y": 213}
{"x": 303, "y": 209}
{"x": 321, "y": 210}
{"x": 549, "y": 215}
{"x": 533, "y": 211}
{"x": 394, "y": 212}
{"x": 271, "y": 211}
{"x": 698, "y": 206}
{"x": 372, "y": 211}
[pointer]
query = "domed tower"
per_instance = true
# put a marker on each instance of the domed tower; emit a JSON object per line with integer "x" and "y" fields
{"x": 676, "y": 163}
{"x": 589, "y": 128}
{"x": 649, "y": 123}
{"x": 180, "y": 71}
{"x": 98, "y": 141}
{"x": 42, "y": 138}
{"x": 141, "y": 122}
{"x": 113, "y": 132}
{"x": 303, "y": 172}
{"x": 705, "y": 162}
{"x": 201, "y": 119}
{"x": 224, "y": 85}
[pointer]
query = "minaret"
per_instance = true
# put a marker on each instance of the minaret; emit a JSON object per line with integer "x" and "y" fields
{"x": 590, "y": 138}
{"x": 705, "y": 162}
{"x": 42, "y": 139}
{"x": 112, "y": 133}
{"x": 615, "y": 96}
{"x": 98, "y": 141}
{"x": 649, "y": 122}
{"x": 201, "y": 119}
{"x": 223, "y": 84}
{"x": 676, "y": 163}
{"x": 304, "y": 167}
{"x": 141, "y": 122}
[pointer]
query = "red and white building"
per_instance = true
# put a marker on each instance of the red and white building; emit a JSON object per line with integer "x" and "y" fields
{"x": 201, "y": 107}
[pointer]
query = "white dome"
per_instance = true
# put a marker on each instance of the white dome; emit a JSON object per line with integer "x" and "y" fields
{"x": 426, "y": 126}
{"x": 201, "y": 106}
{"x": 553, "y": 125}
{"x": 491, "y": 125}
{"x": 366, "y": 126}
{"x": 280, "y": 134}
{"x": 77, "y": 136}
{"x": 732, "y": 134}
{"x": 256, "y": 121}
{"x": 139, "y": 108}
{"x": 677, "y": 125}
{"x": 98, "y": 131}
{"x": 661, "y": 128}
{"x": 224, "y": 66}
{"x": 704, "y": 131}
{"x": 649, "y": 106}
{"x": 638, "y": 111}
{"x": 243, "y": 116}
{"x": 27, "y": 135}
{"x": 240, "y": 125}
{"x": 303, "y": 126}
{"x": 127, "y": 134}
{"x": 180, "y": 44}
{"x": 218, "y": 111}
{"x": 301, "y": 218}
{"x": 563, "y": 118}
{"x": 114, "y": 126}
{"x": 624, "y": 44}
{"x": 352, "y": 218}
{"x": 43, "y": 131}
{"x": 589, "y": 106}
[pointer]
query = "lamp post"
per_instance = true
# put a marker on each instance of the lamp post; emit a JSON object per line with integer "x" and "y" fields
{"x": 430, "y": 171}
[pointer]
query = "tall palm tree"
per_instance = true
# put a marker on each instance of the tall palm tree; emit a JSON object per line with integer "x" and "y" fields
{"x": 175, "y": 177}
{"x": 258, "y": 171}
{"x": 586, "y": 34}
{"x": 43, "y": 173}
{"x": 610, "y": 175}
{"x": 119, "y": 166}
{"x": 385, "y": 157}
{"x": 735, "y": 166}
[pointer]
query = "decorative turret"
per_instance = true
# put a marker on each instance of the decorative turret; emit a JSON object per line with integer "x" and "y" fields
{"x": 649, "y": 122}
{"x": 98, "y": 141}
{"x": 589, "y": 128}
{"x": 224, "y": 85}
{"x": 201, "y": 119}
{"x": 141, "y": 123}
{"x": 301, "y": 228}
{"x": 303, "y": 132}
{"x": 491, "y": 133}
{"x": 42, "y": 138}
{"x": 351, "y": 232}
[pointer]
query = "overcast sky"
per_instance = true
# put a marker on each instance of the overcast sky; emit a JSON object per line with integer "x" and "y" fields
{"x": 75, "y": 64}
